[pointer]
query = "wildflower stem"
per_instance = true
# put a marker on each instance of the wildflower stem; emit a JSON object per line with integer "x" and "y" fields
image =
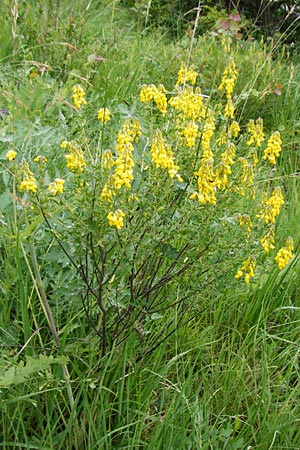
{"x": 194, "y": 31}
{"x": 36, "y": 276}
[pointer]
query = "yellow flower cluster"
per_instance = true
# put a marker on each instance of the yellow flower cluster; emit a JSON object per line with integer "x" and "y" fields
{"x": 229, "y": 78}
{"x": 256, "y": 132}
{"x": 57, "y": 186}
{"x": 246, "y": 176}
{"x": 206, "y": 177}
{"x": 187, "y": 74}
{"x": 268, "y": 240}
{"x": 273, "y": 148}
{"x": 206, "y": 135}
{"x": 270, "y": 208}
{"x": 227, "y": 85}
{"x": 28, "y": 182}
{"x": 75, "y": 158}
{"x": 104, "y": 115}
{"x": 40, "y": 159}
{"x": 157, "y": 94}
{"x": 124, "y": 163}
{"x": 116, "y": 218}
{"x": 188, "y": 102}
{"x": 234, "y": 129}
{"x": 224, "y": 167}
{"x": 247, "y": 270}
{"x": 190, "y": 132}
{"x": 107, "y": 159}
{"x": 285, "y": 254}
{"x": 162, "y": 155}
{"x": 130, "y": 132}
{"x": 206, "y": 183}
{"x": 11, "y": 155}
{"x": 78, "y": 96}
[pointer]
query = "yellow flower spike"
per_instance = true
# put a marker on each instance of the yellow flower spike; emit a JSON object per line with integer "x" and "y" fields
{"x": 256, "y": 132}
{"x": 104, "y": 115}
{"x": 234, "y": 129}
{"x": 190, "y": 132}
{"x": 228, "y": 79}
{"x": 75, "y": 157}
{"x": 57, "y": 186}
{"x": 268, "y": 240}
{"x": 28, "y": 182}
{"x": 247, "y": 270}
{"x": 11, "y": 155}
{"x": 186, "y": 74}
{"x": 116, "y": 219}
{"x": 107, "y": 159}
{"x": 285, "y": 254}
{"x": 224, "y": 167}
{"x": 206, "y": 135}
{"x": 157, "y": 94}
{"x": 273, "y": 148}
{"x": 270, "y": 208}
{"x": 78, "y": 96}
{"x": 247, "y": 175}
{"x": 189, "y": 103}
{"x": 162, "y": 155}
{"x": 229, "y": 109}
{"x": 124, "y": 163}
{"x": 206, "y": 183}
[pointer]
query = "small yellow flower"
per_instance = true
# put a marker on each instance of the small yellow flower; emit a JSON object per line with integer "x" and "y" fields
{"x": 116, "y": 218}
{"x": 285, "y": 254}
{"x": 40, "y": 159}
{"x": 57, "y": 186}
{"x": 11, "y": 155}
{"x": 104, "y": 115}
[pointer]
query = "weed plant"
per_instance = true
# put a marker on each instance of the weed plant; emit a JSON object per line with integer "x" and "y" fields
{"x": 142, "y": 302}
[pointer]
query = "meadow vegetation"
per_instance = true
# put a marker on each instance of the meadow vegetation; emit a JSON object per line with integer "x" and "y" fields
{"x": 149, "y": 214}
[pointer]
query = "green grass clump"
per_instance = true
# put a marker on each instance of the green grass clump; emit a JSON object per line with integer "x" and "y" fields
{"x": 122, "y": 324}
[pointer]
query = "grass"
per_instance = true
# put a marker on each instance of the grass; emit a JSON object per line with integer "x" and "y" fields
{"x": 218, "y": 370}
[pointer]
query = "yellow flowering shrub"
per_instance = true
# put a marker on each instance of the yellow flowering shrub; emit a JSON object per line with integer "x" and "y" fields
{"x": 173, "y": 192}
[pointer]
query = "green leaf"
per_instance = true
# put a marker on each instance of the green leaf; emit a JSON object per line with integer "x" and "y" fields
{"x": 19, "y": 373}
